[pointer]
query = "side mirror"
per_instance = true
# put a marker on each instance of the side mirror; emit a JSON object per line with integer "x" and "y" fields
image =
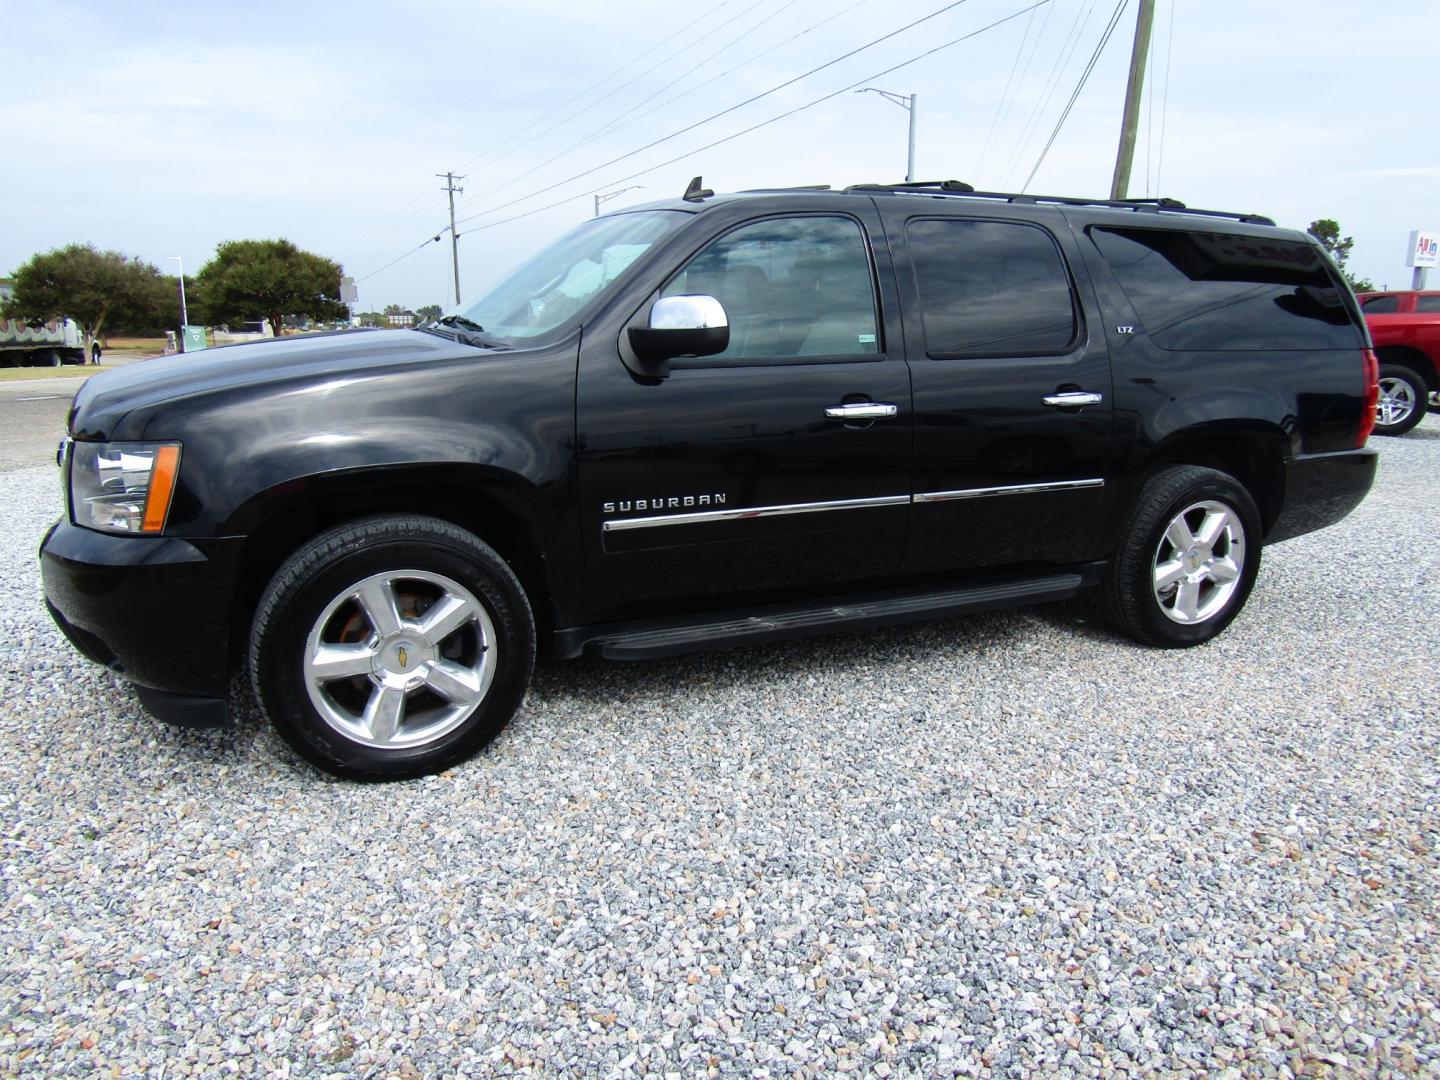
{"x": 681, "y": 326}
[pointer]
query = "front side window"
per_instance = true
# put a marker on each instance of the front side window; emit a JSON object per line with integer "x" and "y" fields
{"x": 990, "y": 288}
{"x": 547, "y": 292}
{"x": 1219, "y": 291}
{"x": 1381, "y": 305}
{"x": 791, "y": 287}
{"x": 1430, "y": 305}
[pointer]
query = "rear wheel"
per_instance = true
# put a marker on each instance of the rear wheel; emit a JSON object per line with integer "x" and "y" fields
{"x": 1402, "y": 400}
{"x": 1188, "y": 560}
{"x": 51, "y": 358}
{"x": 392, "y": 647}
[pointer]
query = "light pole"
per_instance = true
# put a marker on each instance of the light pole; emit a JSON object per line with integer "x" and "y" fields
{"x": 184, "y": 315}
{"x": 908, "y": 104}
{"x": 611, "y": 194}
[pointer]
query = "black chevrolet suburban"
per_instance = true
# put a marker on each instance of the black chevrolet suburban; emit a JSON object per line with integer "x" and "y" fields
{"x": 706, "y": 422}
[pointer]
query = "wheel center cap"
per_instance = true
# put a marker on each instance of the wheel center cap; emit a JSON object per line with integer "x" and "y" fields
{"x": 399, "y": 657}
{"x": 1195, "y": 558}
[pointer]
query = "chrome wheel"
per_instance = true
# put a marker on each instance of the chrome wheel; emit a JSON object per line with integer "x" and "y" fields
{"x": 1199, "y": 562}
{"x": 400, "y": 659}
{"x": 1397, "y": 402}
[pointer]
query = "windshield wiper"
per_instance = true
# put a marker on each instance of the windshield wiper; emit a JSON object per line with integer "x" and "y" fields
{"x": 466, "y": 330}
{"x": 462, "y": 322}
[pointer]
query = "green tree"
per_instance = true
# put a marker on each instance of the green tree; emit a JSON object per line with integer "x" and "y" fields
{"x": 372, "y": 318}
{"x": 1327, "y": 231}
{"x": 428, "y": 312}
{"x": 269, "y": 279}
{"x": 95, "y": 288}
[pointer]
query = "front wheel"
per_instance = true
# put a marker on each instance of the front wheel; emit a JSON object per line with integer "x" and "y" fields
{"x": 392, "y": 647}
{"x": 1188, "y": 560}
{"x": 1402, "y": 400}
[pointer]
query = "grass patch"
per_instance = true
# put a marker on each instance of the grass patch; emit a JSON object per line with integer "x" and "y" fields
{"x": 29, "y": 374}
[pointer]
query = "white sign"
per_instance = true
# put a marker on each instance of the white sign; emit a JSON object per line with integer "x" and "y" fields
{"x": 1424, "y": 249}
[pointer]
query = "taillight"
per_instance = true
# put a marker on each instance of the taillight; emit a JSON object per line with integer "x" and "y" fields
{"x": 1372, "y": 398}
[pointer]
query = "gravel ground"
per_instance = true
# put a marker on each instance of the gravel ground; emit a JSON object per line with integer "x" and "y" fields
{"x": 996, "y": 846}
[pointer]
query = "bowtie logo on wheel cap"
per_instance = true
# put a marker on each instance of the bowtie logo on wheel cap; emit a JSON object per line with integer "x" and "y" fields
{"x": 403, "y": 657}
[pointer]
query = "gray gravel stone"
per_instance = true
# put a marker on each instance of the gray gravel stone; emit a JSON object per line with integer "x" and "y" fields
{"x": 1006, "y": 845}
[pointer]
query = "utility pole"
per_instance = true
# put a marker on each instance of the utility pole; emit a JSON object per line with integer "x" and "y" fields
{"x": 907, "y": 103}
{"x": 1133, "y": 90}
{"x": 450, "y": 187}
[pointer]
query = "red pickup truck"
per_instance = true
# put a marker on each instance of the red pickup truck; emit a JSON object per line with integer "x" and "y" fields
{"x": 1405, "y": 326}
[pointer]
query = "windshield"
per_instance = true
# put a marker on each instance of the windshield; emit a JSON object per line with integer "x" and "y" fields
{"x": 554, "y": 285}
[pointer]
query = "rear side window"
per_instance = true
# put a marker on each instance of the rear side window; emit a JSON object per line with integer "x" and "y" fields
{"x": 990, "y": 288}
{"x": 1381, "y": 305}
{"x": 1205, "y": 290}
{"x": 1428, "y": 304}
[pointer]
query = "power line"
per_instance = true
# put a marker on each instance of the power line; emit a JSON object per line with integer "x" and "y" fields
{"x": 615, "y": 123}
{"x": 392, "y": 262}
{"x": 1075, "y": 94}
{"x": 744, "y": 63}
{"x": 485, "y": 156}
{"x": 710, "y": 146}
{"x": 497, "y": 152}
{"x": 1009, "y": 81}
{"x": 725, "y": 112}
{"x": 1165, "y": 98}
{"x": 763, "y": 123}
{"x": 596, "y": 134}
{"x": 1051, "y": 84}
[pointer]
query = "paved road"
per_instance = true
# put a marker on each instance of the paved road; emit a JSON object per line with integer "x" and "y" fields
{"x": 32, "y": 416}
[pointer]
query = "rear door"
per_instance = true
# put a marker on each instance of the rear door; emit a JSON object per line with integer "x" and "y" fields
{"x": 1012, "y": 391}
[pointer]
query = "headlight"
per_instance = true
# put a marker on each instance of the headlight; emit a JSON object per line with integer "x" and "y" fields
{"x": 122, "y": 487}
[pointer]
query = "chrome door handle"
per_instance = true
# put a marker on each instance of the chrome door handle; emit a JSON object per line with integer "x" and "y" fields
{"x": 1073, "y": 399}
{"x": 861, "y": 410}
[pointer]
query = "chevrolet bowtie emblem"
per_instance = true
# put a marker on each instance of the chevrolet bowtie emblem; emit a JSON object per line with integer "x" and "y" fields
{"x": 402, "y": 656}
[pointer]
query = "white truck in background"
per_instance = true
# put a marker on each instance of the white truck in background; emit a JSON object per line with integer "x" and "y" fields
{"x": 47, "y": 344}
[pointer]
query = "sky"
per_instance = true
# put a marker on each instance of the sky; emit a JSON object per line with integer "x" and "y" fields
{"x": 161, "y": 129}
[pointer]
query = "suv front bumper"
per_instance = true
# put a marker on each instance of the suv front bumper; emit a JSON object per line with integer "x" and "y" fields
{"x": 154, "y": 609}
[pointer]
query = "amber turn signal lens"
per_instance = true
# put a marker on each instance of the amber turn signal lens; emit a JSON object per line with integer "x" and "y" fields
{"x": 162, "y": 488}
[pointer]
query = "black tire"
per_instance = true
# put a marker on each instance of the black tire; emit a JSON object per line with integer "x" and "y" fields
{"x": 1403, "y": 398}
{"x": 1130, "y": 597}
{"x": 52, "y": 358}
{"x": 421, "y": 564}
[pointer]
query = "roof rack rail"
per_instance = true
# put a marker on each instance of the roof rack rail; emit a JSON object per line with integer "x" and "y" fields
{"x": 960, "y": 189}
{"x": 792, "y": 187}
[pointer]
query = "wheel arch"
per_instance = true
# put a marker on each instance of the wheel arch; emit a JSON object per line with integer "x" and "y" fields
{"x": 1253, "y": 454}
{"x": 1415, "y": 359}
{"x": 499, "y": 508}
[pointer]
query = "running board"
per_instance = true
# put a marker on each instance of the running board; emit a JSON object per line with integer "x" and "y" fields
{"x": 730, "y": 629}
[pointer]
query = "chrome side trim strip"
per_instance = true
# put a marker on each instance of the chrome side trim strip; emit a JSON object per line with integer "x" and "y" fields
{"x": 1015, "y": 489}
{"x": 752, "y": 512}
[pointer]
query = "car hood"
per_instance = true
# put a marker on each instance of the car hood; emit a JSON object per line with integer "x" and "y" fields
{"x": 109, "y": 396}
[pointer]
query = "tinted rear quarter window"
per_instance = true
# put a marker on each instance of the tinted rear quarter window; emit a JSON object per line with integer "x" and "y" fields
{"x": 1226, "y": 291}
{"x": 1428, "y": 304}
{"x": 990, "y": 288}
{"x": 1381, "y": 305}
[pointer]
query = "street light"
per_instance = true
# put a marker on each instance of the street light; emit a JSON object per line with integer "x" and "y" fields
{"x": 611, "y": 194}
{"x": 184, "y": 315}
{"x": 908, "y": 104}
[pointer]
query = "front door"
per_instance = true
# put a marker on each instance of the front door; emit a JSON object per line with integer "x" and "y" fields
{"x": 746, "y": 477}
{"x": 1012, "y": 394}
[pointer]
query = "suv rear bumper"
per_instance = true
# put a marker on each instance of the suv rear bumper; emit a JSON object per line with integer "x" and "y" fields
{"x": 154, "y": 609}
{"x": 1320, "y": 489}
